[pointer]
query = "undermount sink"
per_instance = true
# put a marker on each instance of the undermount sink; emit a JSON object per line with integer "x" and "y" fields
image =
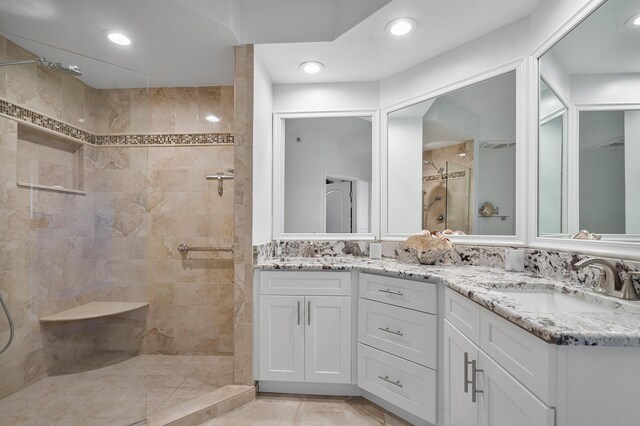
{"x": 552, "y": 301}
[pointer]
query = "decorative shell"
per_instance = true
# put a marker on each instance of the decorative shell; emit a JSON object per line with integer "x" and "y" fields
{"x": 428, "y": 249}
{"x": 586, "y": 235}
{"x": 488, "y": 209}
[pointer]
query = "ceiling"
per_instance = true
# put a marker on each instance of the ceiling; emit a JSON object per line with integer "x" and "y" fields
{"x": 190, "y": 42}
{"x": 368, "y": 53}
{"x": 176, "y": 42}
{"x": 602, "y": 44}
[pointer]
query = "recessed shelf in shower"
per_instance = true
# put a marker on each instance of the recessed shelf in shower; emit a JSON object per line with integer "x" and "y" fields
{"x": 49, "y": 162}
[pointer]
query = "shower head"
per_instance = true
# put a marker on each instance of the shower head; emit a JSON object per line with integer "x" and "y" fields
{"x": 63, "y": 68}
{"x": 431, "y": 163}
{"x": 56, "y": 66}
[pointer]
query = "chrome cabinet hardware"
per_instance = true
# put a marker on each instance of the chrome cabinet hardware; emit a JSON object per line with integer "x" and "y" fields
{"x": 397, "y": 333}
{"x": 308, "y": 312}
{"x": 184, "y": 248}
{"x": 474, "y": 381}
{"x": 466, "y": 372}
{"x": 298, "y": 312}
{"x": 395, "y": 293}
{"x": 393, "y": 382}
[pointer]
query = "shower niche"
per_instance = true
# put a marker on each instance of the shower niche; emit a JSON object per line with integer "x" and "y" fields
{"x": 49, "y": 161}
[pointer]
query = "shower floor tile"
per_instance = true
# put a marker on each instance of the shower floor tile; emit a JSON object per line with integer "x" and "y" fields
{"x": 114, "y": 389}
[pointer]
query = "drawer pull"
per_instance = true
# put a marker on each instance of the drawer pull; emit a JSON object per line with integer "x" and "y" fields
{"x": 397, "y": 333}
{"x": 466, "y": 372}
{"x": 388, "y": 291}
{"x": 474, "y": 381}
{"x": 387, "y": 379}
{"x": 298, "y": 312}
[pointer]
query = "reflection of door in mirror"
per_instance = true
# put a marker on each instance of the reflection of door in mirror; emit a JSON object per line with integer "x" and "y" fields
{"x": 339, "y": 206}
{"x": 317, "y": 149}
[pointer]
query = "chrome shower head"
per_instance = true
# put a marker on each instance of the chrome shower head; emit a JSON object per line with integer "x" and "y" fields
{"x": 56, "y": 66}
{"x": 61, "y": 67}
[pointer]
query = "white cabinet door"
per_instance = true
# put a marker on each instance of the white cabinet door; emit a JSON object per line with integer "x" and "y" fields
{"x": 328, "y": 339}
{"x": 459, "y": 408}
{"x": 282, "y": 338}
{"x": 506, "y": 402}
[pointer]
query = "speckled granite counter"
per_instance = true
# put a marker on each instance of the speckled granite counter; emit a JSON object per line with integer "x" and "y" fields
{"x": 619, "y": 326}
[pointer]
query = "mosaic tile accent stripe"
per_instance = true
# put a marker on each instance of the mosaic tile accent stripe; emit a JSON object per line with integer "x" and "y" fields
{"x": 15, "y": 111}
{"x": 445, "y": 176}
{"x": 24, "y": 114}
{"x": 166, "y": 139}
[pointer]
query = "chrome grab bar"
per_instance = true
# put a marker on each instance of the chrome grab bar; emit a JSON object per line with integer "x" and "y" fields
{"x": 184, "y": 248}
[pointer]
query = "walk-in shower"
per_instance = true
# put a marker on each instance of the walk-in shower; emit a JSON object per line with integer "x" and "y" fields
{"x": 56, "y": 66}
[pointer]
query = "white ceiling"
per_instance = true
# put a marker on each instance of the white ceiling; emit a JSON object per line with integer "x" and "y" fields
{"x": 602, "y": 44}
{"x": 176, "y": 42}
{"x": 190, "y": 42}
{"x": 368, "y": 53}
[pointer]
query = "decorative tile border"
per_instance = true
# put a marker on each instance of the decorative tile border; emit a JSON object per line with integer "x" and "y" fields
{"x": 26, "y": 115}
{"x": 15, "y": 111}
{"x": 445, "y": 176}
{"x": 166, "y": 139}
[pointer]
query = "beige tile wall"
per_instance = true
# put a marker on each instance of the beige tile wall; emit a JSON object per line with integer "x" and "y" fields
{"x": 243, "y": 255}
{"x": 119, "y": 241}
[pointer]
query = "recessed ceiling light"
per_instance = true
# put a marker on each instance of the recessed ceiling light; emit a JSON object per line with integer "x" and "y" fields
{"x": 118, "y": 38}
{"x": 402, "y": 26}
{"x": 212, "y": 118}
{"x": 634, "y": 21}
{"x": 311, "y": 67}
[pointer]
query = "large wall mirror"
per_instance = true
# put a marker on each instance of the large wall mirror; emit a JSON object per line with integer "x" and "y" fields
{"x": 590, "y": 85}
{"x": 326, "y": 179}
{"x": 451, "y": 162}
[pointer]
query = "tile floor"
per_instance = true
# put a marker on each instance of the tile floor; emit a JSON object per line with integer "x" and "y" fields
{"x": 112, "y": 389}
{"x": 276, "y": 409}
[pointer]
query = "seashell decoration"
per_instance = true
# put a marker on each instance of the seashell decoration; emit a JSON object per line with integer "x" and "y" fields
{"x": 428, "y": 247}
{"x": 586, "y": 235}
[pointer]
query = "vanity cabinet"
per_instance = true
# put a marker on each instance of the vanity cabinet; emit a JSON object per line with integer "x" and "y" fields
{"x": 477, "y": 389}
{"x": 398, "y": 342}
{"x": 303, "y": 336}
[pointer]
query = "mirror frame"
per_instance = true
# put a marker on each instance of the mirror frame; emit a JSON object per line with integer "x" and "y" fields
{"x": 517, "y": 240}
{"x": 279, "y": 178}
{"x": 605, "y": 248}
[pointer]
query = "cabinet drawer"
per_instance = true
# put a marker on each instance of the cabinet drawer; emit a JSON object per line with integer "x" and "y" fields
{"x": 421, "y": 296}
{"x": 463, "y": 313}
{"x": 527, "y": 358}
{"x": 405, "y": 384}
{"x": 320, "y": 283}
{"x": 409, "y": 334}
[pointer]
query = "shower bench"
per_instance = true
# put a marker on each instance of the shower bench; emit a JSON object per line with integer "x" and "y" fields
{"x": 93, "y": 310}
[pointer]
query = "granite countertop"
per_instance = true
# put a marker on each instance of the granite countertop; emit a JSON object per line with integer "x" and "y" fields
{"x": 617, "y": 325}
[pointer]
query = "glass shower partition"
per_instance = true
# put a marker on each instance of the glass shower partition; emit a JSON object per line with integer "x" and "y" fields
{"x": 458, "y": 200}
{"x": 73, "y": 244}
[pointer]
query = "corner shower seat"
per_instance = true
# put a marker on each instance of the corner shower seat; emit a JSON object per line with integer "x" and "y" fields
{"x": 93, "y": 310}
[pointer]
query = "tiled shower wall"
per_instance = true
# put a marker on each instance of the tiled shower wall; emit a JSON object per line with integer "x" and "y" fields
{"x": 119, "y": 241}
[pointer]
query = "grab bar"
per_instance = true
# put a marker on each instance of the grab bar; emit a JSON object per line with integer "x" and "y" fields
{"x": 184, "y": 248}
{"x": 11, "y": 325}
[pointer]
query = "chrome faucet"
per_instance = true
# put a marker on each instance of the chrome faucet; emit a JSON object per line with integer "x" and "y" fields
{"x": 609, "y": 282}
